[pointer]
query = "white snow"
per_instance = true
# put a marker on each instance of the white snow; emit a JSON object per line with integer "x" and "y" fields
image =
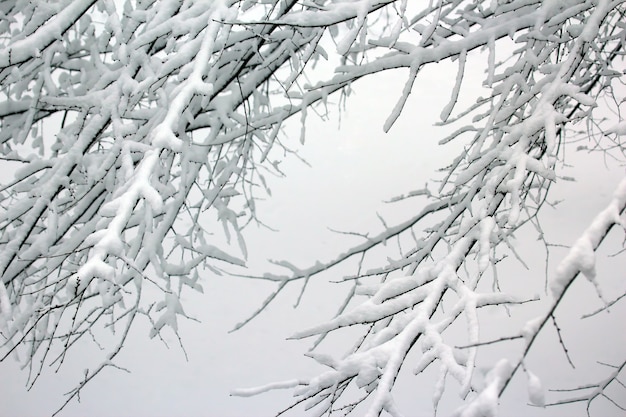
{"x": 536, "y": 394}
{"x": 531, "y": 328}
{"x": 486, "y": 404}
{"x": 487, "y": 226}
{"x": 581, "y": 256}
{"x": 248, "y": 392}
{"x": 5, "y": 303}
{"x": 619, "y": 128}
{"x": 31, "y": 46}
{"x": 144, "y": 105}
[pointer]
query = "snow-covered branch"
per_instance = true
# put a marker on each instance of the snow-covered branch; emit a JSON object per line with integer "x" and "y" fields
{"x": 548, "y": 83}
{"x": 139, "y": 137}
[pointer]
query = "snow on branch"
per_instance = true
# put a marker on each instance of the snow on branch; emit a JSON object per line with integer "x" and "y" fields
{"x": 580, "y": 259}
{"x": 160, "y": 118}
{"x": 513, "y": 139}
{"x": 139, "y": 138}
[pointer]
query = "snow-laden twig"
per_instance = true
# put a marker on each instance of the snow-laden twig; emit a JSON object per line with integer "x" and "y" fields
{"x": 510, "y": 161}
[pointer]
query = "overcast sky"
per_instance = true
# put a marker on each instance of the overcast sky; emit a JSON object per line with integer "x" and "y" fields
{"x": 352, "y": 170}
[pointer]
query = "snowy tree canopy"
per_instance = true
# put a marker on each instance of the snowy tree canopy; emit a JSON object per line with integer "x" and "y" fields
{"x": 125, "y": 123}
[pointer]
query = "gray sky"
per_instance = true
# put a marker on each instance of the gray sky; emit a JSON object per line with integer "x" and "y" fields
{"x": 353, "y": 169}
